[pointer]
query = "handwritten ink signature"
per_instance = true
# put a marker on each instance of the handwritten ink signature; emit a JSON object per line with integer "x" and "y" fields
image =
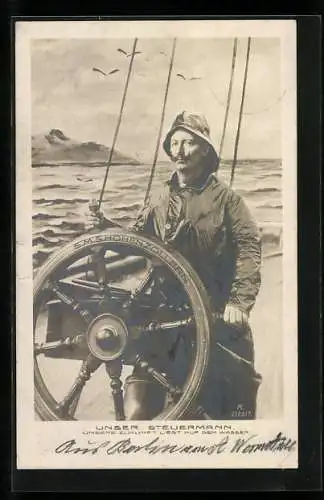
{"x": 279, "y": 443}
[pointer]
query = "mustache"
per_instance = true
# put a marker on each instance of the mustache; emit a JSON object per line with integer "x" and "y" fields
{"x": 180, "y": 158}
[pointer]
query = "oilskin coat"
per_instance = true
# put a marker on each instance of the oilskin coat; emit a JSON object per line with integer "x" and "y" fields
{"x": 211, "y": 226}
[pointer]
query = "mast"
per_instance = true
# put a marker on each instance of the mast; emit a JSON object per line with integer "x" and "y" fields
{"x": 161, "y": 123}
{"x": 229, "y": 96}
{"x": 118, "y": 124}
{"x": 237, "y": 138}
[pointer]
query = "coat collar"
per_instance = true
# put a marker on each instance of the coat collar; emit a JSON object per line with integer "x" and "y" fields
{"x": 201, "y": 183}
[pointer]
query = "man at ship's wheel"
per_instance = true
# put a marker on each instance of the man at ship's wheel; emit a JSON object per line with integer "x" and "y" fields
{"x": 210, "y": 225}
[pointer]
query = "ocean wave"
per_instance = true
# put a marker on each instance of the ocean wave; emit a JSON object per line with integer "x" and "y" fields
{"x": 267, "y": 165}
{"x": 270, "y": 238}
{"x": 46, "y": 242}
{"x": 54, "y": 234}
{"x": 42, "y": 216}
{"x": 106, "y": 202}
{"x": 126, "y": 187}
{"x": 123, "y": 218}
{"x": 269, "y": 205}
{"x": 60, "y": 201}
{"x": 265, "y": 176}
{"x": 127, "y": 208}
{"x": 265, "y": 190}
{"x": 53, "y": 218}
{"x": 258, "y": 191}
{"x": 40, "y": 257}
{"x": 56, "y": 186}
{"x": 75, "y": 226}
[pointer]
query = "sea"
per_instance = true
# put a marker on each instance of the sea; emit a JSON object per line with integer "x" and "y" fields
{"x": 61, "y": 196}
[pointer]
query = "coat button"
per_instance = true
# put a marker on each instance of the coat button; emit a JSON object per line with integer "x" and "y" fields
{"x": 168, "y": 226}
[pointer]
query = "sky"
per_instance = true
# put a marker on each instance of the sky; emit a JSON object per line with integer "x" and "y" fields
{"x": 67, "y": 94}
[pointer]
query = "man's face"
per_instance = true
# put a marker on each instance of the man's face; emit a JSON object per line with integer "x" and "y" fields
{"x": 187, "y": 151}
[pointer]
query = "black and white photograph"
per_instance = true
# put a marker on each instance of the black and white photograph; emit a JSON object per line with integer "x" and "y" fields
{"x": 156, "y": 240}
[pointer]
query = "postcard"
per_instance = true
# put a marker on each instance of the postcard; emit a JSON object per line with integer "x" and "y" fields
{"x": 156, "y": 244}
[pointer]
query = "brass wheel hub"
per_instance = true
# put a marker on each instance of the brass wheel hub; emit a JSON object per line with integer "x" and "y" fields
{"x": 107, "y": 337}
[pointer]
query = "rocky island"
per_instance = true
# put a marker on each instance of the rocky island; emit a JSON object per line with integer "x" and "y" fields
{"x": 56, "y": 148}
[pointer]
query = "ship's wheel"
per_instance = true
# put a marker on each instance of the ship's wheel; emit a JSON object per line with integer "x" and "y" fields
{"x": 106, "y": 303}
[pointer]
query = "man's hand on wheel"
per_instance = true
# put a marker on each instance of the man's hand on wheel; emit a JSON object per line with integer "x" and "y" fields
{"x": 94, "y": 218}
{"x": 234, "y": 316}
{"x": 93, "y": 221}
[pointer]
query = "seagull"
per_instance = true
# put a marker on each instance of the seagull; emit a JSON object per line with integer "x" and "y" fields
{"x": 83, "y": 179}
{"x": 113, "y": 71}
{"x": 126, "y": 54}
{"x": 99, "y": 71}
{"x": 180, "y": 75}
{"x": 105, "y": 74}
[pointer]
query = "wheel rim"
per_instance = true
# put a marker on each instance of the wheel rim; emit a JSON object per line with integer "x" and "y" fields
{"x": 152, "y": 249}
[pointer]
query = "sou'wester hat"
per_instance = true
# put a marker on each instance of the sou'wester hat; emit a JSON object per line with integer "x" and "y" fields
{"x": 197, "y": 125}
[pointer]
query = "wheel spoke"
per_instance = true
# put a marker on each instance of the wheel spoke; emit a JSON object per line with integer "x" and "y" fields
{"x": 43, "y": 347}
{"x": 67, "y": 407}
{"x": 114, "y": 371}
{"x": 169, "y": 292}
{"x": 137, "y": 331}
{"x": 74, "y": 404}
{"x": 168, "y": 325}
{"x": 113, "y": 292}
{"x": 103, "y": 273}
{"x": 98, "y": 261}
{"x": 141, "y": 289}
{"x": 159, "y": 377}
{"x": 175, "y": 392}
{"x": 92, "y": 286}
{"x": 70, "y": 301}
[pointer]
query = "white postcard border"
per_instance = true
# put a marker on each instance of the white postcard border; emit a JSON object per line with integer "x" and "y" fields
{"x": 36, "y": 441}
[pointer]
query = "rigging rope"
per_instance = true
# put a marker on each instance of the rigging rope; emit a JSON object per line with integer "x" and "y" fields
{"x": 161, "y": 123}
{"x": 229, "y": 96}
{"x": 118, "y": 123}
{"x": 237, "y": 138}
